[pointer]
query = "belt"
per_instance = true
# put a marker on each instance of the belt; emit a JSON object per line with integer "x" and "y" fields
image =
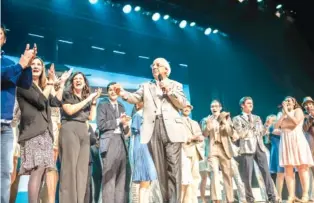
{"x": 217, "y": 142}
{"x": 159, "y": 116}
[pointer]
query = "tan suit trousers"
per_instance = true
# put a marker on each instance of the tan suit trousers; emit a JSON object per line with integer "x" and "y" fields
{"x": 218, "y": 158}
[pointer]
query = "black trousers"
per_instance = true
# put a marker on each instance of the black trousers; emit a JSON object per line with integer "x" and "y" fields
{"x": 247, "y": 171}
{"x": 167, "y": 159}
{"x": 114, "y": 171}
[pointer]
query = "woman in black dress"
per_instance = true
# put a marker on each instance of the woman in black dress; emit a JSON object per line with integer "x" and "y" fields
{"x": 78, "y": 106}
{"x": 36, "y": 136}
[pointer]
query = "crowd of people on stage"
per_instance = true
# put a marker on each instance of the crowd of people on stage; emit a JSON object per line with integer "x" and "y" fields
{"x": 157, "y": 154}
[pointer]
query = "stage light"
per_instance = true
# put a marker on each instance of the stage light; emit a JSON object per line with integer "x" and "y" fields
{"x": 127, "y": 8}
{"x": 93, "y": 1}
{"x": 137, "y": 8}
{"x": 166, "y": 17}
{"x": 240, "y": 1}
{"x": 259, "y": 1}
{"x": 192, "y": 24}
{"x": 207, "y": 31}
{"x": 156, "y": 16}
{"x": 182, "y": 24}
{"x": 215, "y": 31}
{"x": 279, "y": 6}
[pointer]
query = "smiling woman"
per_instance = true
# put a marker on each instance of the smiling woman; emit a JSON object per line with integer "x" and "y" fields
{"x": 79, "y": 106}
{"x": 36, "y": 136}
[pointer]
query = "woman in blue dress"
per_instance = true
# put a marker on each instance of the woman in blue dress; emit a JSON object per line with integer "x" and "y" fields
{"x": 274, "y": 138}
{"x": 143, "y": 166}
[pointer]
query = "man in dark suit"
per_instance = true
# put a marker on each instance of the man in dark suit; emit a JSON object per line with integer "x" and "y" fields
{"x": 112, "y": 123}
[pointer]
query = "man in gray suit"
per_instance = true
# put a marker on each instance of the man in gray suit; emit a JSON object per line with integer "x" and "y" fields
{"x": 251, "y": 131}
{"x": 162, "y": 127}
{"x": 112, "y": 124}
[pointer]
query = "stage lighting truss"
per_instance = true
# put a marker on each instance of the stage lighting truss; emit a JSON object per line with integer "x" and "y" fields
{"x": 158, "y": 16}
{"x": 279, "y": 8}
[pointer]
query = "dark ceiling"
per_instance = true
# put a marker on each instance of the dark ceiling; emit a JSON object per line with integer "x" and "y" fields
{"x": 301, "y": 11}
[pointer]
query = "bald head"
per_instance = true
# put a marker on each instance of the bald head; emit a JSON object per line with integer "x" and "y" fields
{"x": 161, "y": 66}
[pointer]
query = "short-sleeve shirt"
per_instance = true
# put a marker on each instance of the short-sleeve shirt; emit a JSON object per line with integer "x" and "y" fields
{"x": 80, "y": 116}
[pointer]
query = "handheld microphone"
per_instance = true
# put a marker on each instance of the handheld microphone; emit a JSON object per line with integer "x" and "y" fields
{"x": 160, "y": 79}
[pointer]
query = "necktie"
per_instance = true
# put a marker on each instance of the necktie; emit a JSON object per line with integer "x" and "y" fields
{"x": 116, "y": 108}
{"x": 249, "y": 118}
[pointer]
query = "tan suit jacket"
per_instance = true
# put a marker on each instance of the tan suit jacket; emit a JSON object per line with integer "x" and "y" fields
{"x": 193, "y": 130}
{"x": 226, "y": 132}
{"x": 170, "y": 106}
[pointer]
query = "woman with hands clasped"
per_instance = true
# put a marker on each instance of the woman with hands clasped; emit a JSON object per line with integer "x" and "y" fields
{"x": 294, "y": 150}
{"x": 36, "y": 136}
{"x": 79, "y": 106}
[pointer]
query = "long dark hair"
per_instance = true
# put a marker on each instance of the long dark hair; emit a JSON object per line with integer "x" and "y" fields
{"x": 86, "y": 88}
{"x": 296, "y": 104}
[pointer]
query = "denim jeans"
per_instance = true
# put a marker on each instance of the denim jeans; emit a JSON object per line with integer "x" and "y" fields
{"x": 6, "y": 161}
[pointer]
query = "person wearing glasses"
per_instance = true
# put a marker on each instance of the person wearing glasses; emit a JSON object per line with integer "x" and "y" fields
{"x": 162, "y": 127}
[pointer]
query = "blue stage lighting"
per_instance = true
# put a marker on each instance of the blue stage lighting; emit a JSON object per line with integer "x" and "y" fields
{"x": 137, "y": 8}
{"x": 279, "y": 6}
{"x": 93, "y": 1}
{"x": 208, "y": 31}
{"x": 182, "y": 24}
{"x": 127, "y": 8}
{"x": 215, "y": 31}
{"x": 192, "y": 24}
{"x": 156, "y": 16}
{"x": 166, "y": 17}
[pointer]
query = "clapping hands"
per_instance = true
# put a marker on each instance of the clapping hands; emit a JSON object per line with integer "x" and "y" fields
{"x": 28, "y": 55}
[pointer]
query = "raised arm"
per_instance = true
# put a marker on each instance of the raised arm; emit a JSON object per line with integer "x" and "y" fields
{"x": 26, "y": 78}
{"x": 71, "y": 109}
{"x": 226, "y": 127}
{"x": 133, "y": 98}
{"x": 11, "y": 73}
{"x": 33, "y": 97}
{"x": 296, "y": 117}
{"x": 15, "y": 73}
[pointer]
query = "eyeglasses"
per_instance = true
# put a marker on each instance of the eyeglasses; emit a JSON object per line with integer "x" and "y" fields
{"x": 157, "y": 64}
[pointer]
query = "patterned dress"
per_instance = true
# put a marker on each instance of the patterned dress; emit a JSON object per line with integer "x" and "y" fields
{"x": 37, "y": 152}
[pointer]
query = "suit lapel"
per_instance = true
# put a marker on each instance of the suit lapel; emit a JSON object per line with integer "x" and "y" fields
{"x": 111, "y": 109}
{"x": 245, "y": 119}
{"x": 36, "y": 89}
{"x": 152, "y": 89}
{"x": 188, "y": 124}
